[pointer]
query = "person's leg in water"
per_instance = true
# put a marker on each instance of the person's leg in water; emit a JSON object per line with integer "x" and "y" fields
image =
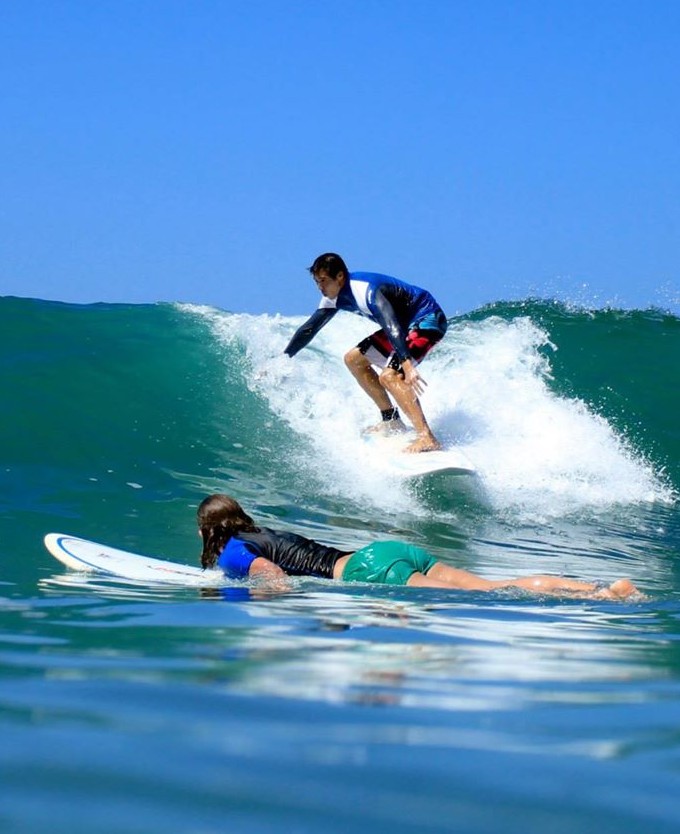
{"x": 399, "y": 563}
{"x": 445, "y": 576}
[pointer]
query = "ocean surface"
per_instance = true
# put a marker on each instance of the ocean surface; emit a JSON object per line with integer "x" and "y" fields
{"x": 331, "y": 707}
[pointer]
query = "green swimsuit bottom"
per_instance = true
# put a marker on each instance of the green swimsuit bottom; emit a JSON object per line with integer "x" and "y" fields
{"x": 391, "y": 563}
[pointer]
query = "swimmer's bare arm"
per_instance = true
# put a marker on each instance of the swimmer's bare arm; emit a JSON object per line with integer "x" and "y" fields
{"x": 267, "y": 577}
{"x": 262, "y": 568}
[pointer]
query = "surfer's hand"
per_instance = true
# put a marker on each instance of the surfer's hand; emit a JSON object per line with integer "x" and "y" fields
{"x": 412, "y": 378}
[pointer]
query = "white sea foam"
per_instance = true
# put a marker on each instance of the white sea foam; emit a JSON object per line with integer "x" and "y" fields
{"x": 537, "y": 453}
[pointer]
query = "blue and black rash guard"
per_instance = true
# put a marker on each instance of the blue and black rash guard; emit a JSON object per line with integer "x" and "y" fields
{"x": 294, "y": 554}
{"x": 396, "y": 306}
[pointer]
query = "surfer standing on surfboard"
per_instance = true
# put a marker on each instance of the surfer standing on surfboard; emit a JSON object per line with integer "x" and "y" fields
{"x": 411, "y": 323}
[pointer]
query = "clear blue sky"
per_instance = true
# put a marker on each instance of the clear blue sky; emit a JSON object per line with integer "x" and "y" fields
{"x": 208, "y": 150}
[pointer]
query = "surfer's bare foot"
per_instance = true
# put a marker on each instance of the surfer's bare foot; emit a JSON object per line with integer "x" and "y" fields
{"x": 387, "y": 428}
{"x": 423, "y": 444}
{"x": 621, "y": 589}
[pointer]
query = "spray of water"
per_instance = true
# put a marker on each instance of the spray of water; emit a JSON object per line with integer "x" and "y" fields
{"x": 535, "y": 452}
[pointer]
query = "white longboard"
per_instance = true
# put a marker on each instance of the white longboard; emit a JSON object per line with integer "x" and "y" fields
{"x": 83, "y": 555}
{"x": 388, "y": 454}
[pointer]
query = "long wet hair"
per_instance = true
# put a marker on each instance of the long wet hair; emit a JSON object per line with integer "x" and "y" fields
{"x": 219, "y": 518}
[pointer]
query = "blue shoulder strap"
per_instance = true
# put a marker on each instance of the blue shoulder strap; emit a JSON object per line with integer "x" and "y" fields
{"x": 236, "y": 558}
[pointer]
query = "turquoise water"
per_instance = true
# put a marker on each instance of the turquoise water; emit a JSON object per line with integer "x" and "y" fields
{"x": 331, "y": 707}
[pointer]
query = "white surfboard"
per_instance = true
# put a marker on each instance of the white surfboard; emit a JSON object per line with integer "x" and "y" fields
{"x": 388, "y": 454}
{"x": 450, "y": 461}
{"x": 84, "y": 555}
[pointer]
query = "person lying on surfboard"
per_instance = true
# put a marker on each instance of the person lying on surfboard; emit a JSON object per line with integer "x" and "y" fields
{"x": 233, "y": 543}
{"x": 411, "y": 323}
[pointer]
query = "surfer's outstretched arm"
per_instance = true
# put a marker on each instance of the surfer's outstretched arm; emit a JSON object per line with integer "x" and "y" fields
{"x": 306, "y": 332}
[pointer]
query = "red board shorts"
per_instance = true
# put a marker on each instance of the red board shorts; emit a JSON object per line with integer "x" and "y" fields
{"x": 379, "y": 351}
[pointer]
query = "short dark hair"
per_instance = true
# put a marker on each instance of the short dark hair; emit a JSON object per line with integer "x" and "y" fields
{"x": 331, "y": 263}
